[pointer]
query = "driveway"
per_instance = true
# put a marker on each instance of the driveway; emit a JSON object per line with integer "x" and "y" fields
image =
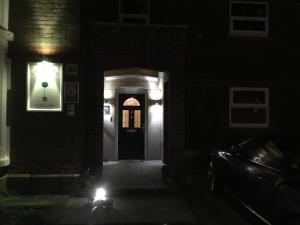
{"x": 139, "y": 197}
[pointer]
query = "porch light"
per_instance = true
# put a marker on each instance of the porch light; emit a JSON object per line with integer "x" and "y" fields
{"x": 108, "y": 94}
{"x": 155, "y": 94}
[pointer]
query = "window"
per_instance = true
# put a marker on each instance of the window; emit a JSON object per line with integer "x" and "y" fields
{"x": 4, "y": 13}
{"x": 137, "y": 118}
{"x": 249, "y": 18}
{"x": 131, "y": 102}
{"x": 134, "y": 11}
{"x": 270, "y": 154}
{"x": 249, "y": 107}
{"x": 271, "y": 150}
{"x": 125, "y": 118}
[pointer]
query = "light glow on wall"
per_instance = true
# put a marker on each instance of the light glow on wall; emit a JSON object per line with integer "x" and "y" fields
{"x": 44, "y": 86}
{"x": 155, "y": 94}
{"x": 46, "y": 49}
{"x": 156, "y": 112}
{"x": 108, "y": 94}
{"x": 4, "y": 161}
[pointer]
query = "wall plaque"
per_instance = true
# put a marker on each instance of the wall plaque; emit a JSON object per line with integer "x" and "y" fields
{"x": 71, "y": 92}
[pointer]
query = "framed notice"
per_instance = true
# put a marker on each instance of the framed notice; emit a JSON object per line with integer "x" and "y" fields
{"x": 44, "y": 86}
{"x": 71, "y": 92}
{"x": 106, "y": 110}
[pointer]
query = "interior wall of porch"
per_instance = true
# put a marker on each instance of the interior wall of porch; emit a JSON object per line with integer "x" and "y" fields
{"x": 152, "y": 87}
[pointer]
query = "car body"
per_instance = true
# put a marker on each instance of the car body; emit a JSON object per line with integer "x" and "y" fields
{"x": 262, "y": 175}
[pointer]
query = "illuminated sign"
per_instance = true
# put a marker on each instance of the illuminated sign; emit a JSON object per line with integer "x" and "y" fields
{"x": 44, "y": 86}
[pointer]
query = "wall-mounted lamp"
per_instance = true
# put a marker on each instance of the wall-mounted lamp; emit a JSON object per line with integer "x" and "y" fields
{"x": 155, "y": 94}
{"x": 108, "y": 94}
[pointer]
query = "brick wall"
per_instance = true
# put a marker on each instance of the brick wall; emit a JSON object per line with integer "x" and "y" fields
{"x": 45, "y": 26}
{"x": 44, "y": 142}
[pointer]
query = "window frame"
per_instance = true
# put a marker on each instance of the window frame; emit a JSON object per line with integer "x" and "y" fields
{"x": 254, "y": 106}
{"x": 123, "y": 16}
{"x": 249, "y": 33}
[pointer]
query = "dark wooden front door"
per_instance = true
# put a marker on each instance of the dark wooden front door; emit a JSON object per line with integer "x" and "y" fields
{"x": 131, "y": 126}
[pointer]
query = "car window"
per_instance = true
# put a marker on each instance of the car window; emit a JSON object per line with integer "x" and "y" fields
{"x": 270, "y": 155}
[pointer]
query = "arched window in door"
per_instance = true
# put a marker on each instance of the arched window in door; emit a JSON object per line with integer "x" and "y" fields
{"x": 131, "y": 102}
{"x": 131, "y": 113}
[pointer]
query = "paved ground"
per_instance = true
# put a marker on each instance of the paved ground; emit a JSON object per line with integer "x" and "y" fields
{"x": 149, "y": 208}
{"x": 133, "y": 174}
{"x": 139, "y": 197}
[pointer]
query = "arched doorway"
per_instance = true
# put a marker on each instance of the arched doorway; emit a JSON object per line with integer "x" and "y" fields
{"x": 133, "y": 115}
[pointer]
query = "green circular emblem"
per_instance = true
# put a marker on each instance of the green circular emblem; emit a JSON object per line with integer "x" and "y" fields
{"x": 44, "y": 84}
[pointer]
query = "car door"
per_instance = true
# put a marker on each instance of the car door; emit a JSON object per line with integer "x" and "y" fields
{"x": 243, "y": 174}
{"x": 230, "y": 173}
{"x": 240, "y": 175}
{"x": 265, "y": 198}
{"x": 262, "y": 180}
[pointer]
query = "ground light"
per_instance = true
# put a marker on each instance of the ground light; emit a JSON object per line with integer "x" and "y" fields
{"x": 100, "y": 195}
{"x": 100, "y": 199}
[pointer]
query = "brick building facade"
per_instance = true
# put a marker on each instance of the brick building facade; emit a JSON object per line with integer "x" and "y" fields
{"x": 225, "y": 79}
{"x": 43, "y": 30}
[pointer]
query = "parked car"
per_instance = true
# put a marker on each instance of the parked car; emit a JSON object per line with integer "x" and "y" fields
{"x": 262, "y": 175}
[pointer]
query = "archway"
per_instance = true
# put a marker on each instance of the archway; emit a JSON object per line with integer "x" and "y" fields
{"x": 119, "y": 138}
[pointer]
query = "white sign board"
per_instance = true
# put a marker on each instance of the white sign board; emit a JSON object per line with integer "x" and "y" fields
{"x": 44, "y": 86}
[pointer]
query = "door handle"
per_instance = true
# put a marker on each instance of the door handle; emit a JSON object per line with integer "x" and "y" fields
{"x": 259, "y": 177}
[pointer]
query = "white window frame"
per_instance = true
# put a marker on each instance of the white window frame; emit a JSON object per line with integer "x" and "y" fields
{"x": 123, "y": 16}
{"x": 249, "y": 33}
{"x": 254, "y": 106}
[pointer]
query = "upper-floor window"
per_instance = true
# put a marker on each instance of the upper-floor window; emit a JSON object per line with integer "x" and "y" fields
{"x": 249, "y": 18}
{"x": 249, "y": 107}
{"x": 134, "y": 11}
{"x": 4, "y": 13}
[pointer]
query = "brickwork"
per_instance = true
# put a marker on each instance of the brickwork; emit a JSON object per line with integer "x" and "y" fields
{"x": 45, "y": 26}
{"x": 176, "y": 124}
{"x": 44, "y": 142}
{"x": 95, "y": 118}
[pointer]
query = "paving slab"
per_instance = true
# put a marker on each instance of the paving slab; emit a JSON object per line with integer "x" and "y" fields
{"x": 133, "y": 174}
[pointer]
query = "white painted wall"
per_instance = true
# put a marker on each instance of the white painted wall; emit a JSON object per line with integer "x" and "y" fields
{"x": 109, "y": 132}
{"x": 5, "y": 36}
{"x": 4, "y": 6}
{"x": 152, "y": 87}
